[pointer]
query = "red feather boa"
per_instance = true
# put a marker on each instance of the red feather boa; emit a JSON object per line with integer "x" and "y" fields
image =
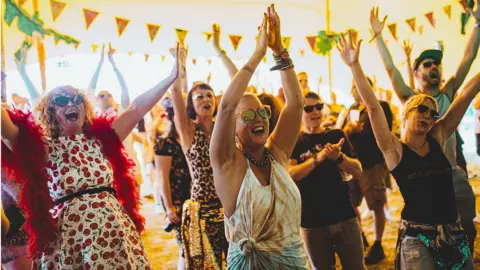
{"x": 26, "y": 165}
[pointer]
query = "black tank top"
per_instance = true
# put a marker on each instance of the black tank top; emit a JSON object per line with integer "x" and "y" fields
{"x": 426, "y": 184}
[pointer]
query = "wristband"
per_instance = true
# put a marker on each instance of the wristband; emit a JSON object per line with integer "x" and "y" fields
{"x": 340, "y": 159}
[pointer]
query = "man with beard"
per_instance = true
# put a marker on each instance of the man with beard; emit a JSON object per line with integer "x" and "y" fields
{"x": 428, "y": 73}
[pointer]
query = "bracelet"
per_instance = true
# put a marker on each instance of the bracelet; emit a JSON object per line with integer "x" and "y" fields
{"x": 283, "y": 61}
{"x": 247, "y": 68}
{"x": 340, "y": 159}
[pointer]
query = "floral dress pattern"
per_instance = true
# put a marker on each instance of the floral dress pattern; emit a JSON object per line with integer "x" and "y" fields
{"x": 93, "y": 230}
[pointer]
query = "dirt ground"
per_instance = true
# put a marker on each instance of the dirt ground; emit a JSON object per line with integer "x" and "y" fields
{"x": 162, "y": 248}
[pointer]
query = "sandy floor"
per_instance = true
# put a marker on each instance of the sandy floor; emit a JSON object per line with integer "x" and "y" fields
{"x": 162, "y": 248}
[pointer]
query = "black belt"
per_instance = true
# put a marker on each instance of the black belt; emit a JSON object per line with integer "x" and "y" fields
{"x": 83, "y": 192}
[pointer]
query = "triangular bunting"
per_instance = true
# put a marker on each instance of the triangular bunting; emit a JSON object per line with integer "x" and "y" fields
{"x": 194, "y": 61}
{"x": 235, "y": 39}
{"x": 420, "y": 30}
{"x": 147, "y": 55}
{"x": 393, "y": 30}
{"x": 181, "y": 35}
{"x": 412, "y": 22}
{"x": 21, "y": 2}
{"x": 302, "y": 52}
{"x": 208, "y": 36}
{"x": 209, "y": 77}
{"x": 76, "y": 45}
{"x": 163, "y": 58}
{"x": 431, "y": 18}
{"x": 152, "y": 30}
{"x": 286, "y": 42}
{"x": 94, "y": 47}
{"x": 89, "y": 16}
{"x": 57, "y": 8}
{"x": 311, "y": 41}
{"x": 209, "y": 61}
{"x": 130, "y": 53}
{"x": 448, "y": 11}
{"x": 354, "y": 35}
{"x": 121, "y": 25}
{"x": 55, "y": 40}
{"x": 265, "y": 58}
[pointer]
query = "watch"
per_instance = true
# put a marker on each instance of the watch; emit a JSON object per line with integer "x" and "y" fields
{"x": 340, "y": 159}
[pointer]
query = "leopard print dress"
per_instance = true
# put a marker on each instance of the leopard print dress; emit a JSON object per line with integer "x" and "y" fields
{"x": 203, "y": 214}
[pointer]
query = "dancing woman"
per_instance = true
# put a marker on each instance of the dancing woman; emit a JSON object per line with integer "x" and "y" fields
{"x": 73, "y": 163}
{"x": 430, "y": 225}
{"x": 262, "y": 204}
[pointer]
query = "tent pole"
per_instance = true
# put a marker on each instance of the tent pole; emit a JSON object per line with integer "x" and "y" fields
{"x": 327, "y": 10}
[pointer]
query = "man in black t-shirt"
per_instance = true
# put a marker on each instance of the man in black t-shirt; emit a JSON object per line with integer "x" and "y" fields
{"x": 320, "y": 164}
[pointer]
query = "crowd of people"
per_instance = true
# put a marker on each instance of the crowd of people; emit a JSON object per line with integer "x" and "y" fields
{"x": 246, "y": 180}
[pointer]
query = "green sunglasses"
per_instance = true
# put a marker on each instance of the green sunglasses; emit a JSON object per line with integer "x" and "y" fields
{"x": 248, "y": 115}
{"x": 62, "y": 101}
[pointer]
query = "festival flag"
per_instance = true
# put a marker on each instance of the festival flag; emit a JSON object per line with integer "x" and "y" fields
{"x": 209, "y": 61}
{"x": 354, "y": 35}
{"x": 194, "y": 61}
{"x": 89, "y": 16}
{"x": 302, "y": 52}
{"x": 393, "y": 30}
{"x": 264, "y": 59}
{"x": 76, "y": 45}
{"x": 235, "y": 40}
{"x": 286, "y": 42}
{"x": 163, "y": 58}
{"x": 57, "y": 8}
{"x": 94, "y": 48}
{"x": 121, "y": 25}
{"x": 412, "y": 22}
{"x": 152, "y": 30}
{"x": 21, "y": 2}
{"x": 448, "y": 11}
{"x": 147, "y": 55}
{"x": 208, "y": 36}
{"x": 130, "y": 53}
{"x": 55, "y": 40}
{"x": 181, "y": 35}
{"x": 311, "y": 41}
{"x": 431, "y": 18}
{"x": 420, "y": 30}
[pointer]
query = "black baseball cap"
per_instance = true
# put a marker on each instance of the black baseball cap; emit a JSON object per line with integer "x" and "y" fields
{"x": 432, "y": 54}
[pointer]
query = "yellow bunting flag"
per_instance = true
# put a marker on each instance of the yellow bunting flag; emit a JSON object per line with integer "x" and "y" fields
{"x": 265, "y": 59}
{"x": 94, "y": 47}
{"x": 448, "y": 11}
{"x": 181, "y": 35}
{"x": 55, "y": 40}
{"x": 354, "y": 35}
{"x": 286, "y": 42}
{"x": 209, "y": 61}
{"x": 393, "y": 30}
{"x": 147, "y": 55}
{"x": 130, "y": 53}
{"x": 412, "y": 22}
{"x": 208, "y": 36}
{"x": 152, "y": 30}
{"x": 194, "y": 61}
{"x": 57, "y": 8}
{"x": 76, "y": 45}
{"x": 302, "y": 52}
{"x": 121, "y": 25}
{"x": 431, "y": 18}
{"x": 41, "y": 54}
{"x": 163, "y": 58}
{"x": 209, "y": 77}
{"x": 89, "y": 16}
{"x": 311, "y": 41}
{"x": 21, "y": 2}
{"x": 420, "y": 30}
{"x": 235, "y": 39}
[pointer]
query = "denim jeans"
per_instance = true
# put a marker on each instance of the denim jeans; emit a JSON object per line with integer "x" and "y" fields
{"x": 415, "y": 255}
{"x": 343, "y": 238}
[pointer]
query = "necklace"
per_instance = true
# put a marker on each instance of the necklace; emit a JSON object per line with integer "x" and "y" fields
{"x": 261, "y": 163}
{"x": 417, "y": 149}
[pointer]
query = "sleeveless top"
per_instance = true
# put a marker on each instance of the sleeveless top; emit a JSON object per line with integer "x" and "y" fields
{"x": 198, "y": 157}
{"x": 426, "y": 184}
{"x": 444, "y": 104}
{"x": 264, "y": 230}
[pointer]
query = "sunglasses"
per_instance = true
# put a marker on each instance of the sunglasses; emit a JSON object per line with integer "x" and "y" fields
{"x": 249, "y": 115}
{"x": 430, "y": 63}
{"x": 309, "y": 108}
{"x": 63, "y": 101}
{"x": 423, "y": 109}
{"x": 103, "y": 95}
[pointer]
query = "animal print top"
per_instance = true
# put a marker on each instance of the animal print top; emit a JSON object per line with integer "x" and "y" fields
{"x": 198, "y": 157}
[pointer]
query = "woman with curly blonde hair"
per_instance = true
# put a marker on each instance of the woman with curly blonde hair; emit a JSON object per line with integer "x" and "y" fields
{"x": 77, "y": 185}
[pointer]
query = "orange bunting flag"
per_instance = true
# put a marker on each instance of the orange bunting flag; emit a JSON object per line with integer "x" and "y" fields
{"x": 194, "y": 61}
{"x": 89, "y": 16}
{"x": 431, "y": 18}
{"x": 152, "y": 30}
{"x": 57, "y": 8}
{"x": 76, "y": 45}
{"x": 209, "y": 77}
{"x": 21, "y": 2}
{"x": 163, "y": 58}
{"x": 121, "y": 25}
{"x": 412, "y": 22}
{"x": 235, "y": 39}
{"x": 181, "y": 35}
{"x": 209, "y": 61}
{"x": 130, "y": 53}
{"x": 147, "y": 55}
{"x": 420, "y": 30}
{"x": 286, "y": 42}
{"x": 311, "y": 41}
{"x": 393, "y": 30}
{"x": 302, "y": 52}
{"x": 354, "y": 35}
{"x": 94, "y": 47}
{"x": 208, "y": 36}
{"x": 448, "y": 11}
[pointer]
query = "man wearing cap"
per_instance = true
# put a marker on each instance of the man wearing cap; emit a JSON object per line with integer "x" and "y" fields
{"x": 428, "y": 73}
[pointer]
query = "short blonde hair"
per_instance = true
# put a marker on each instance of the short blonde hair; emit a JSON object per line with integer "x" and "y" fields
{"x": 415, "y": 101}
{"x": 45, "y": 111}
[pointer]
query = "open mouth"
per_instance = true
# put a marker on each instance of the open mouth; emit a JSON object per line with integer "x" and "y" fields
{"x": 315, "y": 118}
{"x": 258, "y": 130}
{"x": 207, "y": 107}
{"x": 423, "y": 123}
{"x": 71, "y": 116}
{"x": 434, "y": 74}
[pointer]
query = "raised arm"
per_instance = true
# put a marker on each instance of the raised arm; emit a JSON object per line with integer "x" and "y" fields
{"x": 9, "y": 130}
{"x": 401, "y": 89}
{"x": 476, "y": 102}
{"x": 469, "y": 55}
{"x": 32, "y": 91}
{"x": 407, "y": 48}
{"x": 126, "y": 121}
{"x": 386, "y": 140}
{"x": 450, "y": 121}
{"x": 227, "y": 62}
{"x": 222, "y": 145}
{"x": 285, "y": 134}
{"x": 125, "y": 102}
{"x": 93, "y": 82}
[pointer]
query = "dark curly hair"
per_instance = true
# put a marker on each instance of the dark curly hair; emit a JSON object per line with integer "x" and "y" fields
{"x": 191, "y": 113}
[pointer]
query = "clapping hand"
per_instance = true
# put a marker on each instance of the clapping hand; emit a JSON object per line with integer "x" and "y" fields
{"x": 262, "y": 41}
{"x": 274, "y": 33}
{"x": 216, "y": 37}
{"x": 110, "y": 53}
